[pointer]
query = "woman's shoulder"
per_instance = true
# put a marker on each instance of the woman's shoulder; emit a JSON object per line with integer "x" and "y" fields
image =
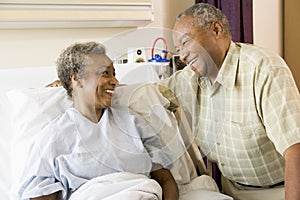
{"x": 57, "y": 128}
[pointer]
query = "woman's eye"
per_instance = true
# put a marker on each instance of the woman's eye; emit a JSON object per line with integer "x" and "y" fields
{"x": 105, "y": 73}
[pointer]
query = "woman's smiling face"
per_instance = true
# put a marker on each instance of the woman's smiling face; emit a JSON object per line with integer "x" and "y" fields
{"x": 99, "y": 81}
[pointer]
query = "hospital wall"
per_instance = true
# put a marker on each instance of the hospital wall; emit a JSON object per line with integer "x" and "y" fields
{"x": 41, "y": 46}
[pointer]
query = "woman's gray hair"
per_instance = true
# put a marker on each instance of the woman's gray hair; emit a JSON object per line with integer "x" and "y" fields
{"x": 204, "y": 15}
{"x": 73, "y": 60}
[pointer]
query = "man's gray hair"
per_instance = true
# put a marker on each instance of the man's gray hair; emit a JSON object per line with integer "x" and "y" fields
{"x": 204, "y": 15}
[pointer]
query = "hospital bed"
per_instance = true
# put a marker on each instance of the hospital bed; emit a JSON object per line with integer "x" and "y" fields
{"x": 26, "y": 105}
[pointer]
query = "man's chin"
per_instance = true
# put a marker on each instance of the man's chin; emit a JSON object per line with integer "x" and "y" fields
{"x": 197, "y": 73}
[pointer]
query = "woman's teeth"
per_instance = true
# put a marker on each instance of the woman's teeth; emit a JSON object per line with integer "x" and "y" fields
{"x": 109, "y": 91}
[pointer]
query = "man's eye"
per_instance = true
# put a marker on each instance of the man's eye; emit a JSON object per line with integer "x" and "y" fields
{"x": 185, "y": 42}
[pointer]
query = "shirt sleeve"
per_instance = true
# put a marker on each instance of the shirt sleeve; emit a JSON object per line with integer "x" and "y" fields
{"x": 39, "y": 179}
{"x": 181, "y": 90}
{"x": 163, "y": 143}
{"x": 156, "y": 125}
{"x": 280, "y": 106}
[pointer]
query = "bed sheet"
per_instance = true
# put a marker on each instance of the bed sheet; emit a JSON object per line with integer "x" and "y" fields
{"x": 132, "y": 186}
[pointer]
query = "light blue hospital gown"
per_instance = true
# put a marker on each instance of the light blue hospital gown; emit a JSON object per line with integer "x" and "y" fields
{"x": 72, "y": 150}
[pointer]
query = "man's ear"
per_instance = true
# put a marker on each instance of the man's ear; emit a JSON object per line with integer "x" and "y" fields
{"x": 218, "y": 28}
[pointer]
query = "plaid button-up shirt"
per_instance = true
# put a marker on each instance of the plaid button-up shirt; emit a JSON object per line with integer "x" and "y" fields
{"x": 247, "y": 118}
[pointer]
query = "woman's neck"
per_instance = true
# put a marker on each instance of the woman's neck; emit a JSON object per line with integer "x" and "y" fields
{"x": 89, "y": 112}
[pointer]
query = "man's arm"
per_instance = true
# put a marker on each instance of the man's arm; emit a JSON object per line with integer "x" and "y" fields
{"x": 167, "y": 182}
{"x": 292, "y": 172}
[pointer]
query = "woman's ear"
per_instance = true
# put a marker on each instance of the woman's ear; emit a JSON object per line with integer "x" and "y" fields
{"x": 75, "y": 82}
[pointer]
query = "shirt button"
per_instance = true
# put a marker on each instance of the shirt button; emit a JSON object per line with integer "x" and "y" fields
{"x": 218, "y": 143}
{"x": 222, "y": 164}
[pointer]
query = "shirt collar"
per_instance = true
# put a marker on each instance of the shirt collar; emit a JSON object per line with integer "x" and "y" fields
{"x": 228, "y": 71}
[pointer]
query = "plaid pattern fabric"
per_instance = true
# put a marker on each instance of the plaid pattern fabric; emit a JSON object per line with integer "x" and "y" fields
{"x": 247, "y": 119}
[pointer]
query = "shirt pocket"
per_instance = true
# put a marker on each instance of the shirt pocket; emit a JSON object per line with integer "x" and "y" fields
{"x": 249, "y": 135}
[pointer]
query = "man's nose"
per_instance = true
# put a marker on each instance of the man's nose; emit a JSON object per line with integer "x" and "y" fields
{"x": 183, "y": 54}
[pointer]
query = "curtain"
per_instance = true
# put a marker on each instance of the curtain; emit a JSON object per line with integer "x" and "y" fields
{"x": 239, "y": 14}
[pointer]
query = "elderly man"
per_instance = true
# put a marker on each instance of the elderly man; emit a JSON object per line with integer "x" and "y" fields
{"x": 243, "y": 103}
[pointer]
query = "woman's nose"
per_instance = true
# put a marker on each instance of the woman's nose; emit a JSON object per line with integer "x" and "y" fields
{"x": 113, "y": 81}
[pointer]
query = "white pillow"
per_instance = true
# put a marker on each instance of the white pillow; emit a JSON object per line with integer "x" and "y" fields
{"x": 31, "y": 110}
{"x": 5, "y": 138}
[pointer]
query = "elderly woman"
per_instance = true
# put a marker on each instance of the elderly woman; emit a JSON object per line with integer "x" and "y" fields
{"x": 86, "y": 142}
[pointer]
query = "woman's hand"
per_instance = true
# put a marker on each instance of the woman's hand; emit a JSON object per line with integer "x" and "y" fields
{"x": 167, "y": 183}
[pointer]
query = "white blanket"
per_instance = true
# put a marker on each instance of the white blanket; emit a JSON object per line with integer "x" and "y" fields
{"x": 128, "y": 186}
{"x": 116, "y": 186}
